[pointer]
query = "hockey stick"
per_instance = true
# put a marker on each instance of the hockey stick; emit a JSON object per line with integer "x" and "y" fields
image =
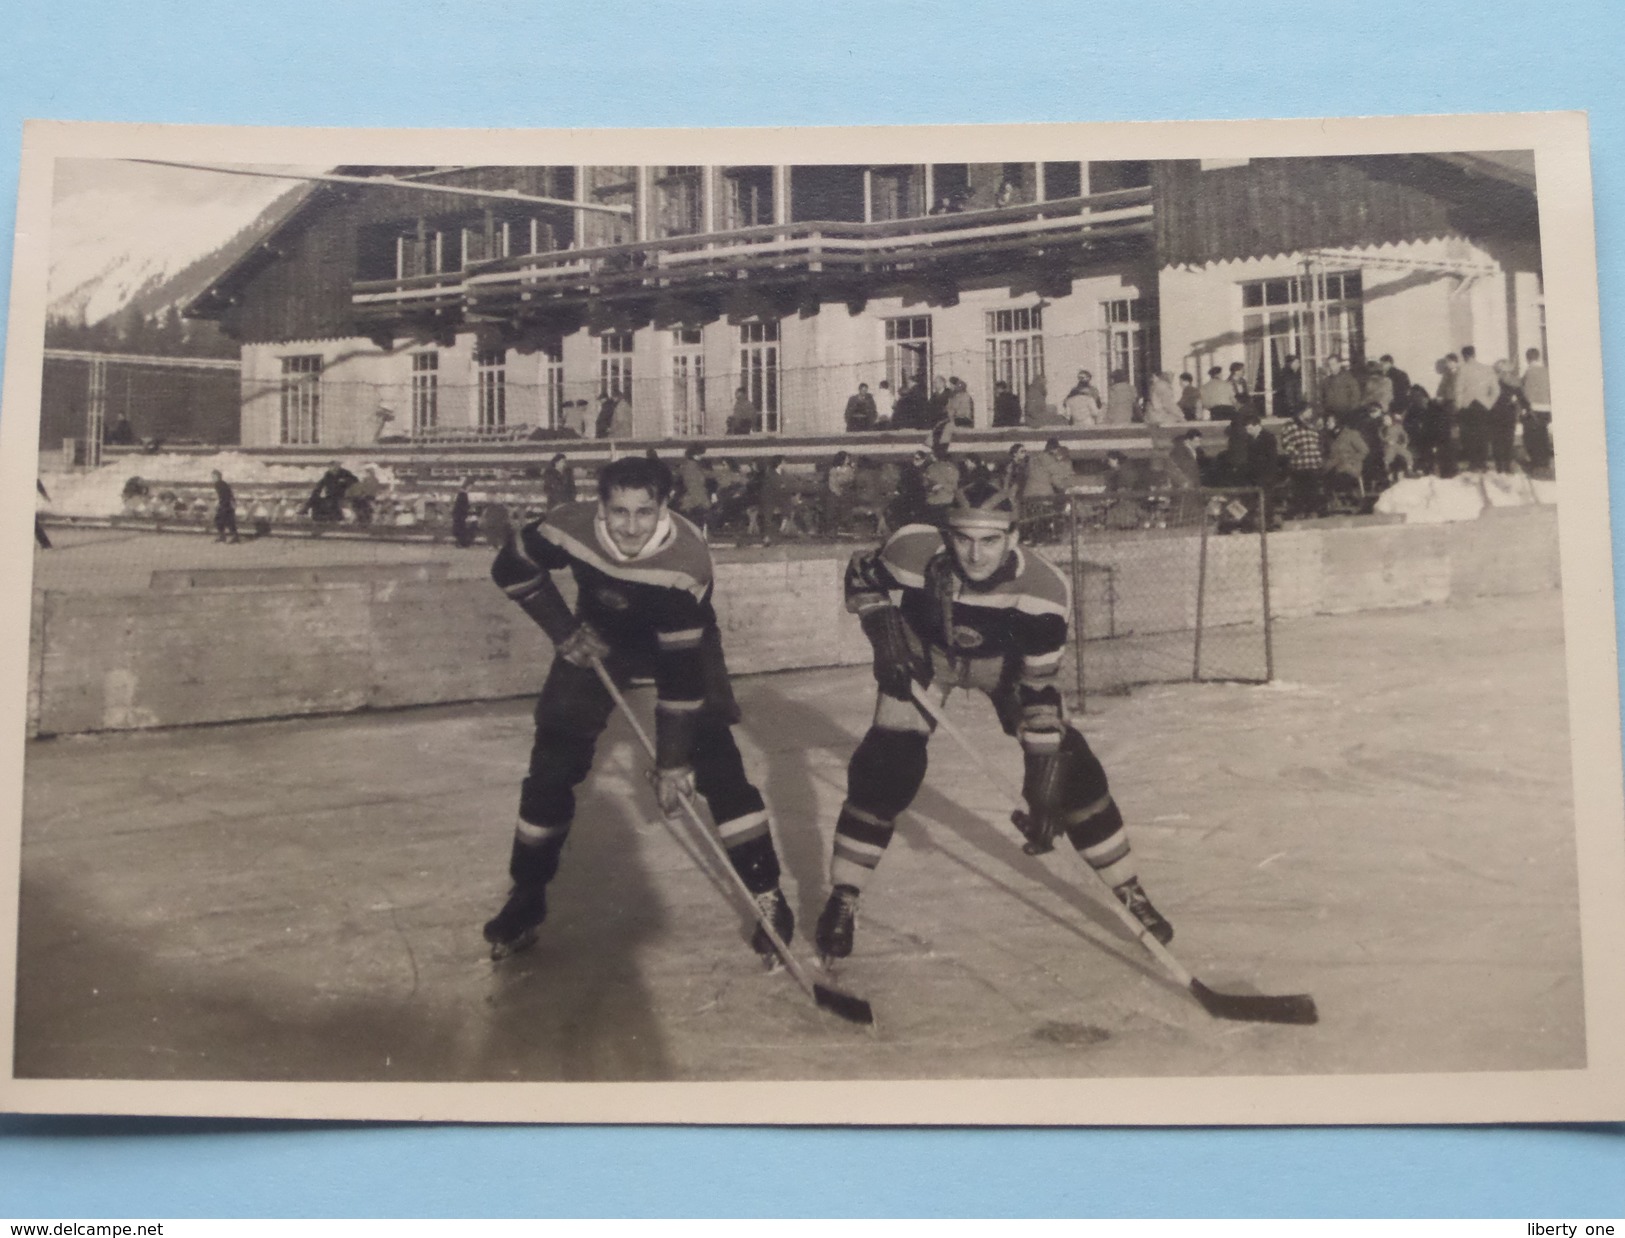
{"x": 843, "y": 1005}
{"x": 1247, "y": 1008}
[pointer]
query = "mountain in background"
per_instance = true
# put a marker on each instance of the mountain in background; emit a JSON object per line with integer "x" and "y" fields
{"x": 132, "y": 240}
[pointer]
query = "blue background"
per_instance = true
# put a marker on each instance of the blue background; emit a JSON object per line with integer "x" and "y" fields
{"x": 453, "y": 63}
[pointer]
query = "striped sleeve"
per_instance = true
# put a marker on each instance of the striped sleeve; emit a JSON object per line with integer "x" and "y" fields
{"x": 523, "y": 570}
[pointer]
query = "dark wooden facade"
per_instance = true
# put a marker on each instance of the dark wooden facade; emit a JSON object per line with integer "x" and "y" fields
{"x": 297, "y": 284}
{"x": 1268, "y": 207}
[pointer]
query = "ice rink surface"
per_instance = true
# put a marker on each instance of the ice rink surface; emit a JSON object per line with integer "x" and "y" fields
{"x": 1389, "y": 827}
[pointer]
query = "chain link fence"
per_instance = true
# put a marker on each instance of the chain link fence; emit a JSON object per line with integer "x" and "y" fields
{"x": 1167, "y": 586}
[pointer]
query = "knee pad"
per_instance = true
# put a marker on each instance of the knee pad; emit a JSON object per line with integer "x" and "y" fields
{"x": 559, "y": 761}
{"x": 886, "y": 772}
{"x": 719, "y": 773}
{"x": 1082, "y": 798}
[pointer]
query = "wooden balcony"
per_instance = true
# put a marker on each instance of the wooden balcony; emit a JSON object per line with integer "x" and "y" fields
{"x": 840, "y": 260}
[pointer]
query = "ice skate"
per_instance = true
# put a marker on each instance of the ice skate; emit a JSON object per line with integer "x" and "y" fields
{"x": 777, "y": 911}
{"x": 836, "y": 925}
{"x": 514, "y": 927}
{"x": 1133, "y": 896}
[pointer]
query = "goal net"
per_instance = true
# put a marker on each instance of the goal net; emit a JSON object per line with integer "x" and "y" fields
{"x": 1167, "y": 587}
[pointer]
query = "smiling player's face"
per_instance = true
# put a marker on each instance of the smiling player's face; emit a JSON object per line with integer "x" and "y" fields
{"x": 631, "y": 517}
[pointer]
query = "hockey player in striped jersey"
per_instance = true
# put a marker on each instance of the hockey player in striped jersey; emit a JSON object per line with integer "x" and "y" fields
{"x": 967, "y": 607}
{"x": 644, "y": 582}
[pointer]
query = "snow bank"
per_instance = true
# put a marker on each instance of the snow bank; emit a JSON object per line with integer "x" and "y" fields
{"x": 100, "y": 492}
{"x": 1436, "y": 500}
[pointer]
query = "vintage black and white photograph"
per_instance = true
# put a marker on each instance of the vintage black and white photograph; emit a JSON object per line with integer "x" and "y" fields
{"x": 1045, "y": 623}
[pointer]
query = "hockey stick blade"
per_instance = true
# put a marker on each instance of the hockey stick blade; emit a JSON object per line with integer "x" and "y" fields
{"x": 844, "y": 1005}
{"x": 1255, "y": 1007}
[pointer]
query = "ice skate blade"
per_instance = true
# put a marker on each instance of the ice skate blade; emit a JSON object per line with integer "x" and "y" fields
{"x": 507, "y": 949}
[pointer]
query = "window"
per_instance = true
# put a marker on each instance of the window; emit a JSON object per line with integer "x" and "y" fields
{"x": 491, "y": 384}
{"x": 1128, "y": 343}
{"x": 680, "y": 200}
{"x": 1311, "y": 317}
{"x": 615, "y": 364}
{"x": 1015, "y": 347}
{"x": 425, "y": 252}
{"x": 553, "y": 386}
{"x": 686, "y": 394}
{"x": 301, "y": 399}
{"x": 425, "y": 391}
{"x": 908, "y": 352}
{"x": 896, "y": 192}
{"x": 747, "y": 197}
{"x": 759, "y": 369}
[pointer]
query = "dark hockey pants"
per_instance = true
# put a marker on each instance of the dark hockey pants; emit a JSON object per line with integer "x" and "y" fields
{"x": 572, "y": 712}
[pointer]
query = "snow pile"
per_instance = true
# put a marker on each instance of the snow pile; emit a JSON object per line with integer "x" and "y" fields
{"x": 1437, "y": 500}
{"x": 100, "y": 492}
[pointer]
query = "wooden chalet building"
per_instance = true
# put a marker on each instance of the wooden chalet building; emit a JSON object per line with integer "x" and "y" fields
{"x": 520, "y": 303}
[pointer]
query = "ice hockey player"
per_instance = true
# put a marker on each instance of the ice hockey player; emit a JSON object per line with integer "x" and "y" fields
{"x": 967, "y": 607}
{"x": 644, "y": 580}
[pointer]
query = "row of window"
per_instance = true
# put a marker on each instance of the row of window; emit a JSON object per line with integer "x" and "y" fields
{"x": 1015, "y": 355}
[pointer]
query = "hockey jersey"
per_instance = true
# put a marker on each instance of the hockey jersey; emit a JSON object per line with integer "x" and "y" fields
{"x": 654, "y": 608}
{"x": 1019, "y": 613}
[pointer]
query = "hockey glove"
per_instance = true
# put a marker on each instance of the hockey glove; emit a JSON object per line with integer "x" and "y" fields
{"x": 672, "y": 787}
{"x": 583, "y": 647}
{"x": 896, "y": 664}
{"x": 1042, "y": 789}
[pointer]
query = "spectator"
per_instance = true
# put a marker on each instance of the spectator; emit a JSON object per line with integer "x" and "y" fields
{"x": 1035, "y": 401}
{"x": 1162, "y": 405}
{"x": 326, "y": 501}
{"x": 1183, "y": 470}
{"x": 605, "y": 424}
{"x": 462, "y": 532}
{"x": 1049, "y": 476}
{"x": 1305, "y": 463}
{"x": 774, "y": 499}
{"x": 941, "y": 484}
{"x": 1261, "y": 472}
{"x": 1006, "y": 406}
{"x": 1083, "y": 405}
{"x": 1378, "y": 389}
{"x": 1396, "y": 448}
{"x": 135, "y": 489}
{"x": 742, "y": 417}
{"x": 1419, "y": 420}
{"x": 1345, "y": 464}
{"x": 912, "y": 411}
{"x": 621, "y": 420}
{"x": 1509, "y": 408}
{"x": 909, "y": 505}
{"x": 1120, "y": 401}
{"x": 1447, "y": 409}
{"x": 937, "y": 405}
{"x": 1368, "y": 420}
{"x": 861, "y": 413}
{"x": 1238, "y": 384}
{"x": 1289, "y": 399}
{"x": 363, "y": 495}
{"x": 1190, "y": 399}
{"x": 1218, "y": 396}
{"x": 838, "y": 484}
{"x": 558, "y": 482}
{"x": 225, "y": 509}
{"x": 121, "y": 433}
{"x": 960, "y": 408}
{"x": 885, "y": 404}
{"x": 1477, "y": 389}
{"x": 1340, "y": 394}
{"x": 1537, "y": 429}
{"x": 869, "y": 494}
{"x": 1399, "y": 382}
{"x": 691, "y": 497}
{"x": 1013, "y": 477}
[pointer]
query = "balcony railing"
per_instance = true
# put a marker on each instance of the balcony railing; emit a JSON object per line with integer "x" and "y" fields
{"x": 862, "y": 255}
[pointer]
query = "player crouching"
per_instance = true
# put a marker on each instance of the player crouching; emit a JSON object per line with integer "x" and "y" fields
{"x": 967, "y": 607}
{"x": 644, "y": 581}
